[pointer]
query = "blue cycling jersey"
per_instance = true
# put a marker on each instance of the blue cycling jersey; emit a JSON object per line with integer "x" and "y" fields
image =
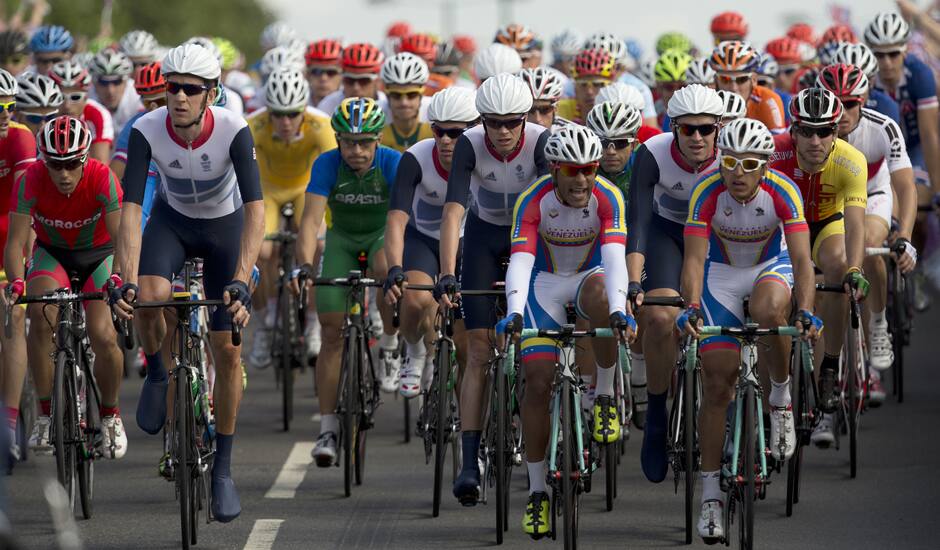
{"x": 879, "y": 101}
{"x": 153, "y": 175}
{"x": 916, "y": 90}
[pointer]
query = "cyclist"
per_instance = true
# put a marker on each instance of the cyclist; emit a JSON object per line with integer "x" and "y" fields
{"x": 524, "y": 41}
{"x": 14, "y": 51}
{"x": 412, "y": 231}
{"x": 665, "y": 170}
{"x": 594, "y": 69}
{"x": 493, "y": 163}
{"x": 565, "y": 46}
{"x": 324, "y": 65}
{"x": 735, "y": 63}
{"x": 670, "y": 73}
{"x": 546, "y": 86}
{"x": 862, "y": 57}
{"x": 405, "y": 75}
{"x": 616, "y": 124}
{"x": 700, "y": 72}
{"x": 466, "y": 46}
{"x": 787, "y": 53}
{"x": 289, "y": 135}
{"x": 753, "y": 218}
{"x": 73, "y": 81}
{"x": 73, "y": 203}
{"x": 354, "y": 181}
{"x": 49, "y": 45}
{"x": 445, "y": 70}
{"x": 618, "y": 92}
{"x": 673, "y": 41}
{"x": 832, "y": 178}
{"x": 427, "y": 48}
{"x": 496, "y": 59}
{"x": 361, "y": 63}
{"x": 209, "y": 206}
{"x": 622, "y": 59}
{"x": 112, "y": 72}
{"x": 728, "y": 25}
{"x": 38, "y": 100}
{"x": 735, "y": 106}
{"x": 140, "y": 46}
{"x": 568, "y": 246}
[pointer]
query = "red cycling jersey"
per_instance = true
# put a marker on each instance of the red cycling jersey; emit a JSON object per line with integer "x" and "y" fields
{"x": 75, "y": 221}
{"x": 17, "y": 151}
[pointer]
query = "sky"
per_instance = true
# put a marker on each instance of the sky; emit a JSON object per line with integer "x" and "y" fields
{"x": 366, "y": 20}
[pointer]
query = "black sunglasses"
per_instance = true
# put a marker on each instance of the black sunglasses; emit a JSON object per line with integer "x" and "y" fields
{"x": 59, "y": 165}
{"x": 619, "y": 144}
{"x": 174, "y": 88}
{"x": 544, "y": 111}
{"x": 702, "y": 129}
{"x": 318, "y": 71}
{"x": 401, "y": 95}
{"x": 810, "y": 131}
{"x": 286, "y": 114}
{"x": 452, "y": 133}
{"x": 893, "y": 54}
{"x": 511, "y": 124}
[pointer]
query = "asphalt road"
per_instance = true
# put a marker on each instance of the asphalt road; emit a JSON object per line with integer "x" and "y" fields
{"x": 892, "y": 504}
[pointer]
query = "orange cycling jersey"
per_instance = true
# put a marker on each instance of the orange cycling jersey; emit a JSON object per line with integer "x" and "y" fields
{"x": 765, "y": 105}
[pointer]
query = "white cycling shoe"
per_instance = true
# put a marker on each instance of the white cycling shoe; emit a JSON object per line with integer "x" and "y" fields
{"x": 324, "y": 453}
{"x": 412, "y": 371}
{"x": 40, "y": 440}
{"x": 114, "y": 443}
{"x": 880, "y": 352}
{"x": 312, "y": 339}
{"x": 823, "y": 435}
{"x": 782, "y": 435}
{"x": 260, "y": 356}
{"x": 711, "y": 523}
{"x": 391, "y": 368}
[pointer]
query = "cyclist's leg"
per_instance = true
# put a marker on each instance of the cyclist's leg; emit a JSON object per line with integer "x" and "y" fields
{"x": 13, "y": 367}
{"x": 829, "y": 255}
{"x": 265, "y": 296}
{"x": 420, "y": 262}
{"x": 877, "y": 224}
{"x": 378, "y": 266}
{"x": 592, "y": 305}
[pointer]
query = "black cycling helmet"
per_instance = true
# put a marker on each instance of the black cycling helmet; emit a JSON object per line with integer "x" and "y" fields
{"x": 13, "y": 43}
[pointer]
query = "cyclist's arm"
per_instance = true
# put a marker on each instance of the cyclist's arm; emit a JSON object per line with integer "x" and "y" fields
{"x": 930, "y": 141}
{"x": 399, "y": 209}
{"x": 856, "y": 199}
{"x": 613, "y": 238}
{"x": 100, "y": 151}
{"x": 640, "y": 213}
{"x": 526, "y": 216}
{"x": 518, "y": 275}
{"x": 18, "y": 237}
{"x": 804, "y": 279}
{"x": 309, "y": 228}
{"x": 902, "y": 181}
{"x": 458, "y": 194}
{"x": 693, "y": 268}
{"x": 127, "y": 247}
{"x": 117, "y": 166}
{"x": 541, "y": 163}
{"x": 242, "y": 153}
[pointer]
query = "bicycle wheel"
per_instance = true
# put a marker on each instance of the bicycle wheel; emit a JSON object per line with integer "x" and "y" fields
{"x": 748, "y": 467}
{"x": 367, "y": 404}
{"x": 407, "y": 418}
{"x": 85, "y": 449}
{"x": 898, "y": 334}
{"x": 570, "y": 469}
{"x": 798, "y": 382}
{"x": 501, "y": 458}
{"x": 350, "y": 407}
{"x": 287, "y": 338}
{"x": 64, "y": 423}
{"x": 688, "y": 449}
{"x": 854, "y": 397}
{"x": 442, "y": 424}
{"x": 184, "y": 459}
{"x": 610, "y": 465}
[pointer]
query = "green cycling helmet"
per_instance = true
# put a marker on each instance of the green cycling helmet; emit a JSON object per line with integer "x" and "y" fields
{"x": 232, "y": 57}
{"x": 358, "y": 115}
{"x": 673, "y": 41}
{"x": 671, "y": 66}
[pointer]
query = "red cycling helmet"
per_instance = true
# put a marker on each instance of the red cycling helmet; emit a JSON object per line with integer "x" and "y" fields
{"x": 785, "y": 50}
{"x": 594, "y": 63}
{"x": 465, "y": 44}
{"x": 843, "y": 80}
{"x": 422, "y": 45}
{"x": 149, "y": 80}
{"x": 803, "y": 32}
{"x": 398, "y": 29}
{"x": 729, "y": 22}
{"x": 838, "y": 33}
{"x": 362, "y": 58}
{"x": 324, "y": 52}
{"x": 64, "y": 138}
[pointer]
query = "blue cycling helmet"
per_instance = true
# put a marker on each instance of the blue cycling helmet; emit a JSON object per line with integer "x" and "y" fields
{"x": 51, "y": 38}
{"x": 634, "y": 48}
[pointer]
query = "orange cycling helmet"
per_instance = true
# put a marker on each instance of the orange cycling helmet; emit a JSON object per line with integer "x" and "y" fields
{"x": 362, "y": 58}
{"x": 802, "y": 32}
{"x": 517, "y": 37}
{"x": 593, "y": 63}
{"x": 149, "y": 80}
{"x": 734, "y": 56}
{"x": 729, "y": 22}
{"x": 838, "y": 33}
{"x": 465, "y": 44}
{"x": 324, "y": 52}
{"x": 785, "y": 50}
{"x": 398, "y": 29}
{"x": 422, "y": 45}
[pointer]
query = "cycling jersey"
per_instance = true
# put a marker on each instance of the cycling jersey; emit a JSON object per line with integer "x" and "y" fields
{"x": 749, "y": 233}
{"x": 568, "y": 109}
{"x": 840, "y": 183}
{"x": 75, "y": 221}
{"x": 879, "y": 140}
{"x": 421, "y": 188}
{"x": 879, "y": 101}
{"x": 916, "y": 91}
{"x": 766, "y": 106}
{"x": 621, "y": 180}
{"x": 153, "y": 175}
{"x": 649, "y": 108}
{"x": 17, "y": 152}
{"x": 129, "y": 106}
{"x": 286, "y": 165}
{"x": 785, "y": 101}
{"x": 209, "y": 178}
{"x": 99, "y": 122}
{"x": 391, "y": 137}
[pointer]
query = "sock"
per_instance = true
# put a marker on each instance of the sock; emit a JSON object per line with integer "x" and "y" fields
{"x": 605, "y": 380}
{"x": 637, "y": 369}
{"x": 536, "y": 476}
{"x": 109, "y": 410}
{"x": 877, "y": 320}
{"x": 830, "y": 362}
{"x": 222, "y": 463}
{"x": 313, "y": 320}
{"x": 470, "y": 450}
{"x": 329, "y": 423}
{"x": 388, "y": 341}
{"x": 45, "y": 406}
{"x": 156, "y": 372}
{"x": 779, "y": 393}
{"x": 270, "y": 312}
{"x": 711, "y": 486}
{"x": 416, "y": 351}
{"x": 656, "y": 413}
{"x": 13, "y": 414}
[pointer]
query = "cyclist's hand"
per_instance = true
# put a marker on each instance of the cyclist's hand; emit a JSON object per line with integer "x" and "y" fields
{"x": 305, "y": 273}
{"x": 393, "y": 284}
{"x": 624, "y": 327}
{"x": 511, "y": 325}
{"x": 690, "y": 321}
{"x": 810, "y": 326}
{"x": 854, "y": 281}
{"x": 120, "y": 296}
{"x": 238, "y": 299}
{"x": 905, "y": 254}
{"x": 445, "y": 284}
{"x": 12, "y": 291}
{"x": 635, "y": 293}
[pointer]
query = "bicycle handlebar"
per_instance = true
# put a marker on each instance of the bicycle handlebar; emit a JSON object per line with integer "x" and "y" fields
{"x": 747, "y": 331}
{"x": 664, "y": 301}
{"x": 190, "y": 304}
{"x": 565, "y": 333}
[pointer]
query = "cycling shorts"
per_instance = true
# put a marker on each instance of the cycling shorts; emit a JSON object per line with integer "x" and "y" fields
{"x": 665, "y": 247}
{"x": 823, "y": 229}
{"x": 91, "y": 266}
{"x": 171, "y": 238}
{"x": 274, "y": 199}
{"x": 879, "y": 205}
{"x": 549, "y": 293}
{"x": 726, "y": 287}
{"x": 488, "y": 245}
{"x": 423, "y": 253}
{"x": 340, "y": 256}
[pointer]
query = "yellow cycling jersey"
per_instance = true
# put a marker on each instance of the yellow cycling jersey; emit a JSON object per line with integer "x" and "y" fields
{"x": 568, "y": 108}
{"x": 285, "y": 166}
{"x": 391, "y": 138}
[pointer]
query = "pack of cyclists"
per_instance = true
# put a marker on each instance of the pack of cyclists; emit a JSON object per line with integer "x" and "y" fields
{"x": 599, "y": 179}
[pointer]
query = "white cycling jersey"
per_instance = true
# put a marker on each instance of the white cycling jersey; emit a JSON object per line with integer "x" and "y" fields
{"x": 879, "y": 138}
{"x": 422, "y": 179}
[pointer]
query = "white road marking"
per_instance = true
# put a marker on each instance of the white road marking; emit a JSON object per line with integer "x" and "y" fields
{"x": 293, "y": 471}
{"x": 263, "y": 534}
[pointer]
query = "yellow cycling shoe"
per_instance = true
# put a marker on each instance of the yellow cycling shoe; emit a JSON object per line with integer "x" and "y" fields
{"x": 606, "y": 420}
{"x": 535, "y": 521}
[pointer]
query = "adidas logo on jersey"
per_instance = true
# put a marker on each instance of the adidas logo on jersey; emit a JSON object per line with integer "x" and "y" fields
{"x": 432, "y": 195}
{"x": 176, "y": 164}
{"x": 677, "y": 187}
{"x": 759, "y": 211}
{"x": 490, "y": 177}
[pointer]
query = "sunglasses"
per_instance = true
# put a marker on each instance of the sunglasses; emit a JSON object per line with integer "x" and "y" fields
{"x": 747, "y": 164}
{"x": 8, "y": 107}
{"x": 349, "y": 81}
{"x": 851, "y": 103}
{"x": 402, "y": 95}
{"x": 544, "y": 111}
{"x": 739, "y": 80}
{"x": 619, "y": 144}
{"x": 452, "y": 133}
{"x": 894, "y": 54}
{"x": 60, "y": 165}
{"x": 598, "y": 83}
{"x": 703, "y": 130}
{"x": 788, "y": 70}
{"x": 810, "y": 131}
{"x": 36, "y": 118}
{"x": 362, "y": 142}
{"x": 190, "y": 90}
{"x": 76, "y": 97}
{"x": 572, "y": 170}
{"x": 511, "y": 124}
{"x": 286, "y": 114}
{"x": 108, "y": 82}
{"x": 318, "y": 71}
{"x": 48, "y": 60}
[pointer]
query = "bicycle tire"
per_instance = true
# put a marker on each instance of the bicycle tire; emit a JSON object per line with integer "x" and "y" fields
{"x": 798, "y": 382}
{"x": 183, "y": 470}
{"x": 898, "y": 340}
{"x": 407, "y": 419}
{"x": 366, "y": 388}
{"x": 852, "y": 414}
{"x": 749, "y": 465}
{"x": 610, "y": 465}
{"x": 569, "y": 467}
{"x": 286, "y": 340}
{"x": 688, "y": 449}
{"x": 85, "y": 446}
{"x": 350, "y": 404}
{"x": 442, "y": 413}
{"x": 501, "y": 463}
{"x": 64, "y": 419}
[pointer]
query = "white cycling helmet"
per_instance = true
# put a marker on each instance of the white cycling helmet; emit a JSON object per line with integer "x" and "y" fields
{"x": 859, "y": 55}
{"x": 37, "y": 91}
{"x": 504, "y": 94}
{"x": 613, "y": 120}
{"x": 405, "y": 69}
{"x": 191, "y": 59}
{"x": 453, "y": 104}
{"x": 277, "y": 34}
{"x": 746, "y": 135}
{"x": 735, "y": 106}
{"x": 622, "y": 93}
{"x": 286, "y": 90}
{"x": 8, "y": 86}
{"x": 496, "y": 59}
{"x": 700, "y": 72}
{"x": 140, "y": 44}
{"x": 887, "y": 29}
{"x": 567, "y": 44}
{"x": 544, "y": 82}
{"x": 68, "y": 73}
{"x": 280, "y": 57}
{"x": 110, "y": 62}
{"x": 606, "y": 41}
{"x": 695, "y": 99}
{"x": 647, "y": 72}
{"x": 83, "y": 58}
{"x": 573, "y": 144}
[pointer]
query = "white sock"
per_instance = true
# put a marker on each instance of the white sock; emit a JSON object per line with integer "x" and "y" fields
{"x": 877, "y": 320}
{"x": 388, "y": 341}
{"x": 711, "y": 486}
{"x": 536, "y": 476}
{"x": 416, "y": 351}
{"x": 270, "y": 312}
{"x": 605, "y": 380}
{"x": 637, "y": 369}
{"x": 329, "y": 423}
{"x": 313, "y": 320}
{"x": 779, "y": 393}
